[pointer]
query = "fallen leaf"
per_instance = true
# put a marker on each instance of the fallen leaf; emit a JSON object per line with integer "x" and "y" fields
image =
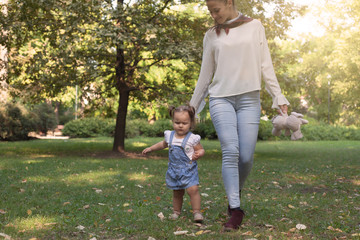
{"x": 2, "y": 211}
{"x": 29, "y": 212}
{"x": 21, "y": 190}
{"x": 248, "y": 233}
{"x": 130, "y": 210}
{"x": 7, "y": 237}
{"x": 158, "y": 198}
{"x": 98, "y": 191}
{"x": 334, "y": 229}
{"x": 80, "y": 227}
{"x": 199, "y": 232}
{"x": 86, "y": 206}
{"x": 300, "y": 226}
{"x": 151, "y": 238}
{"x": 292, "y": 230}
{"x": 139, "y": 186}
{"x": 94, "y": 238}
{"x": 108, "y": 220}
{"x": 102, "y": 204}
{"x": 50, "y": 224}
{"x": 66, "y": 203}
{"x": 177, "y": 233}
{"x": 126, "y": 204}
{"x": 161, "y": 216}
{"x": 356, "y": 235}
{"x": 204, "y": 194}
{"x": 269, "y": 226}
{"x": 24, "y": 181}
{"x": 291, "y": 206}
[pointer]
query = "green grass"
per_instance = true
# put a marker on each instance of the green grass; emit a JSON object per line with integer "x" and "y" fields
{"x": 48, "y": 188}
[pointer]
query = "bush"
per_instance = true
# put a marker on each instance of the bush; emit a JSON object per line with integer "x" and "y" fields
{"x": 88, "y": 127}
{"x": 93, "y": 127}
{"x": 206, "y": 130}
{"x": 314, "y": 131}
{"x": 16, "y": 122}
{"x": 46, "y": 117}
{"x": 329, "y": 132}
{"x": 265, "y": 130}
{"x": 133, "y": 127}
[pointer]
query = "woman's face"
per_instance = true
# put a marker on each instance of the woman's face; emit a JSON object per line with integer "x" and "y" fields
{"x": 220, "y": 11}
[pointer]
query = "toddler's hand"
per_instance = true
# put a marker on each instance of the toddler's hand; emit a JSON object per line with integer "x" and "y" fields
{"x": 146, "y": 150}
{"x": 195, "y": 156}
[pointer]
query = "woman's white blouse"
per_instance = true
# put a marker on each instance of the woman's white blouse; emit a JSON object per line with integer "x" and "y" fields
{"x": 235, "y": 64}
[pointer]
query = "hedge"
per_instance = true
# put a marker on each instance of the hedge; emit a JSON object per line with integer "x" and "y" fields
{"x": 93, "y": 127}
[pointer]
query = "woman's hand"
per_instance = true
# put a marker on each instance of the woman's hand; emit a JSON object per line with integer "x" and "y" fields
{"x": 283, "y": 108}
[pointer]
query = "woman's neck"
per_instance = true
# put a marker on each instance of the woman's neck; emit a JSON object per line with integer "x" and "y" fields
{"x": 234, "y": 14}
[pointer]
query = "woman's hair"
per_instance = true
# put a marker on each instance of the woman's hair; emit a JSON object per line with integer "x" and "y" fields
{"x": 224, "y": 1}
{"x": 184, "y": 108}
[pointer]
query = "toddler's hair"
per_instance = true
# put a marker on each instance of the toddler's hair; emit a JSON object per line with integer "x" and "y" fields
{"x": 184, "y": 108}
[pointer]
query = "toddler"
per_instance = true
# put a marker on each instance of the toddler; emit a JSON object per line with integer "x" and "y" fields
{"x": 184, "y": 150}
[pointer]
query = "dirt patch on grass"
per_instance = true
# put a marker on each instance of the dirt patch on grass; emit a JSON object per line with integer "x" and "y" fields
{"x": 131, "y": 155}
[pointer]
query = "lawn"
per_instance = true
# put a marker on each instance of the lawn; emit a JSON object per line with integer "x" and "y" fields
{"x": 78, "y": 189}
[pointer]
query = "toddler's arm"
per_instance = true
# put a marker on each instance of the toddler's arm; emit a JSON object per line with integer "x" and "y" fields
{"x": 158, "y": 146}
{"x": 198, "y": 152}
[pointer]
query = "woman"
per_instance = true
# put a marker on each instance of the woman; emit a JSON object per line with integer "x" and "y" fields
{"x": 235, "y": 58}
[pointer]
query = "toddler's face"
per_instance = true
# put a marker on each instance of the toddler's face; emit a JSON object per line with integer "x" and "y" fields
{"x": 181, "y": 123}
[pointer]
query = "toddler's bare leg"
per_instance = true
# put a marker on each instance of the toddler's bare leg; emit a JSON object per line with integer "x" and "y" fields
{"x": 178, "y": 200}
{"x": 195, "y": 198}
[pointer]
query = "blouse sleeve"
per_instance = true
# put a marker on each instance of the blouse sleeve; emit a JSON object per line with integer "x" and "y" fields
{"x": 167, "y": 134}
{"x": 205, "y": 77}
{"x": 271, "y": 83}
{"x": 194, "y": 139}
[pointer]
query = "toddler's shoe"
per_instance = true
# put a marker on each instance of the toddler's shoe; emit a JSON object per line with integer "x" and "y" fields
{"x": 174, "y": 216}
{"x": 198, "y": 217}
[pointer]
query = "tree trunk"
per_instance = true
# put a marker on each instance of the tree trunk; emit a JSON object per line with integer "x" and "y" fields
{"x": 119, "y": 138}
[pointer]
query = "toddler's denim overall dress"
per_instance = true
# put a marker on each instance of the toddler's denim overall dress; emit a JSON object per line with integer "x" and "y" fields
{"x": 182, "y": 173}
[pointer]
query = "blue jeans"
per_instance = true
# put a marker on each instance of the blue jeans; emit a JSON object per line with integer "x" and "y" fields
{"x": 236, "y": 120}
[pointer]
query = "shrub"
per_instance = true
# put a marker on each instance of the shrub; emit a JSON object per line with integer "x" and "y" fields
{"x": 46, "y": 117}
{"x": 88, "y": 127}
{"x": 16, "y": 122}
{"x": 265, "y": 129}
{"x": 205, "y": 130}
{"x": 133, "y": 127}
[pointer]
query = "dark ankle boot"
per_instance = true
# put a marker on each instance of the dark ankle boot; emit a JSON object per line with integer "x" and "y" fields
{"x": 235, "y": 220}
{"x": 229, "y": 210}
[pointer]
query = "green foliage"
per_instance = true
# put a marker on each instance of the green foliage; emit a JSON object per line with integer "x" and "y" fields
{"x": 205, "y": 129}
{"x": 89, "y": 127}
{"x": 265, "y": 129}
{"x": 327, "y": 132}
{"x": 156, "y": 129}
{"x": 46, "y": 117}
{"x": 16, "y": 122}
{"x": 133, "y": 127}
{"x": 313, "y": 131}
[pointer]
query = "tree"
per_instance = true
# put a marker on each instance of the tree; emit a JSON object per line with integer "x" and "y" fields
{"x": 102, "y": 45}
{"x": 329, "y": 67}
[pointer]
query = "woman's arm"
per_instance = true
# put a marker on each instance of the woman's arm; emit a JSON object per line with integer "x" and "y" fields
{"x": 205, "y": 76}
